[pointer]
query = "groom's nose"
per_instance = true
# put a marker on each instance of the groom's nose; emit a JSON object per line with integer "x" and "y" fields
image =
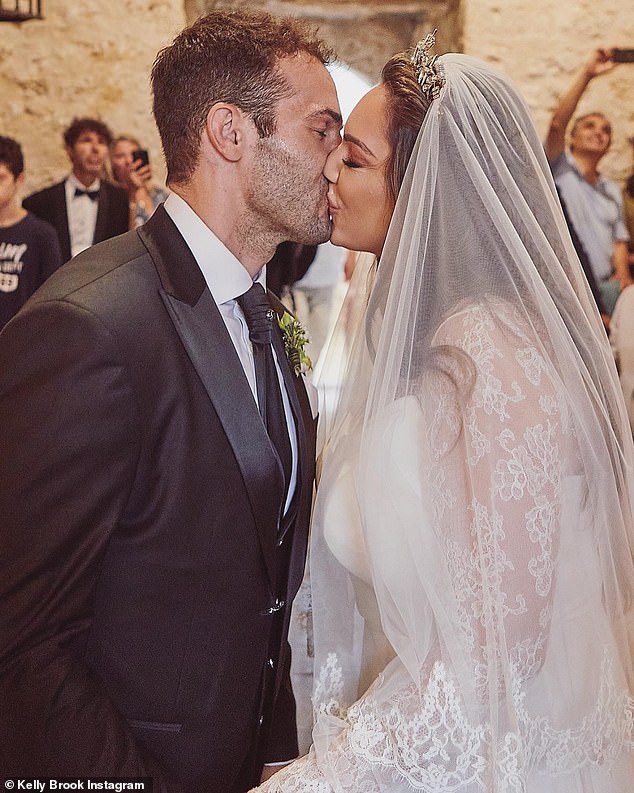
{"x": 333, "y": 164}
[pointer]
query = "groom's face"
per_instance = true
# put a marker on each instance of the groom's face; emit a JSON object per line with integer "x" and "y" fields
{"x": 287, "y": 184}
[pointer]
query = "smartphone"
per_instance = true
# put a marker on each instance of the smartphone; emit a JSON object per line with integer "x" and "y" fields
{"x": 623, "y": 56}
{"x": 141, "y": 154}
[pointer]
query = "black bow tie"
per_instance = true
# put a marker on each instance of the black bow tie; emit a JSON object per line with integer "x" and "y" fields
{"x": 92, "y": 194}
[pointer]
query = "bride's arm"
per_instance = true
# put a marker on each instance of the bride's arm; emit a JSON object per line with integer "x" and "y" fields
{"x": 500, "y": 538}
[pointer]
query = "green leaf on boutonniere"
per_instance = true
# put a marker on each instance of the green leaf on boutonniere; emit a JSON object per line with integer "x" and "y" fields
{"x": 294, "y": 342}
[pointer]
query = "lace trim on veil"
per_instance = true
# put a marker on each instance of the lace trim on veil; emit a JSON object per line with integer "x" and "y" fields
{"x": 427, "y": 739}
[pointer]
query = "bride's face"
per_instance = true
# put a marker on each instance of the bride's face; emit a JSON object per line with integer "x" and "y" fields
{"x": 360, "y": 203}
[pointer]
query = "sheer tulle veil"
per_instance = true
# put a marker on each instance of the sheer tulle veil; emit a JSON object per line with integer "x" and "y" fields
{"x": 471, "y": 551}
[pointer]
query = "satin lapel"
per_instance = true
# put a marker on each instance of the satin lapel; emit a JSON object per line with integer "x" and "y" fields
{"x": 102, "y": 215}
{"x": 61, "y": 220}
{"x": 204, "y": 336}
{"x": 301, "y": 412}
{"x": 306, "y": 434}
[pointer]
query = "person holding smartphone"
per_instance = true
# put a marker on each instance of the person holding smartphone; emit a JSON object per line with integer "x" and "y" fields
{"x": 594, "y": 202}
{"x": 131, "y": 170}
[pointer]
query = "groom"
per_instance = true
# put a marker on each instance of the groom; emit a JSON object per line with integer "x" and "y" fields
{"x": 152, "y": 537}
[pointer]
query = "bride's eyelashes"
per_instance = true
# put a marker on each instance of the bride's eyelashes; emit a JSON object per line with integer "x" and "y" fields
{"x": 350, "y": 163}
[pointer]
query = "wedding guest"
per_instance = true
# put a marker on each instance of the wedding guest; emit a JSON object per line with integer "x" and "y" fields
{"x": 158, "y": 443}
{"x": 288, "y": 264}
{"x": 471, "y": 550}
{"x": 135, "y": 176}
{"x": 622, "y": 343}
{"x": 593, "y": 201}
{"x": 628, "y": 209}
{"x": 83, "y": 208}
{"x": 312, "y": 296}
{"x": 585, "y": 264}
{"x": 29, "y": 250}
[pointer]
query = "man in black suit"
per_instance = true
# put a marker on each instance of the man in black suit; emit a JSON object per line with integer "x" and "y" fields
{"x": 152, "y": 540}
{"x": 83, "y": 208}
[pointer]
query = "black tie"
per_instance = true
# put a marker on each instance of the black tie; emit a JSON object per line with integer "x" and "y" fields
{"x": 259, "y": 316}
{"x": 92, "y": 194}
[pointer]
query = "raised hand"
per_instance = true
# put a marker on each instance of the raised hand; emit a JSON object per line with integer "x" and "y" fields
{"x": 600, "y": 63}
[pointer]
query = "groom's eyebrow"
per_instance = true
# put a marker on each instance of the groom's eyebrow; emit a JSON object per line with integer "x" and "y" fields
{"x": 359, "y": 143}
{"x": 326, "y": 111}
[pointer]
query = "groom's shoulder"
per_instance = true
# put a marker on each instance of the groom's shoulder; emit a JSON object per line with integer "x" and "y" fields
{"x": 105, "y": 276}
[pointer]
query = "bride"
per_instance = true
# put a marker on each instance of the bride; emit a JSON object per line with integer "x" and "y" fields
{"x": 471, "y": 556}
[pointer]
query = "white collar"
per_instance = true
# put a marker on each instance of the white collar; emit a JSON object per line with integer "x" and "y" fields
{"x": 226, "y": 277}
{"x": 74, "y": 182}
{"x": 575, "y": 165}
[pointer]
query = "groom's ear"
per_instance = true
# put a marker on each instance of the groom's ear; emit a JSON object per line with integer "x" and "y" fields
{"x": 227, "y": 130}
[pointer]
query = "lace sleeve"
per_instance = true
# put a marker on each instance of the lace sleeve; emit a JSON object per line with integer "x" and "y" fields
{"x": 500, "y": 516}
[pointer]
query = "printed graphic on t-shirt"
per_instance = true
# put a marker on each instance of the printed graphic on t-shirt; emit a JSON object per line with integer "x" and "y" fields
{"x": 29, "y": 253}
{"x": 11, "y": 264}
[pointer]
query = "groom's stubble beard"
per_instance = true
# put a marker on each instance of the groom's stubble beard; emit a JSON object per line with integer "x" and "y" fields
{"x": 288, "y": 192}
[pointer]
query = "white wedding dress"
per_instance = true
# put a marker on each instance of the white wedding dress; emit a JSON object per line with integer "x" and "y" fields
{"x": 472, "y": 544}
{"x": 506, "y": 493}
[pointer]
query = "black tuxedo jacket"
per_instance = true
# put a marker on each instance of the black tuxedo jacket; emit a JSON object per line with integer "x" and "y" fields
{"x": 145, "y": 586}
{"x": 113, "y": 214}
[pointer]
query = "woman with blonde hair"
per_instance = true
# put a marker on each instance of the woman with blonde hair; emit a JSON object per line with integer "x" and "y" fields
{"x": 135, "y": 175}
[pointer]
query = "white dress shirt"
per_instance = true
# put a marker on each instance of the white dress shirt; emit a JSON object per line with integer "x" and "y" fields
{"x": 81, "y": 212}
{"x": 227, "y": 279}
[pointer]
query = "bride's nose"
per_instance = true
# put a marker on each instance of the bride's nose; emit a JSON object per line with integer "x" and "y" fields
{"x": 333, "y": 165}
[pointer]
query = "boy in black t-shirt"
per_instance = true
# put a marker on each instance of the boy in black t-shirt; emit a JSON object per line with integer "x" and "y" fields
{"x": 29, "y": 248}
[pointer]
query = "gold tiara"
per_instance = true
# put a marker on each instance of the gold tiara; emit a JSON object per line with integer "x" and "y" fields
{"x": 429, "y": 78}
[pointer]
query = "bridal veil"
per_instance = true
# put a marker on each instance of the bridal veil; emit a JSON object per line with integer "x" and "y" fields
{"x": 471, "y": 554}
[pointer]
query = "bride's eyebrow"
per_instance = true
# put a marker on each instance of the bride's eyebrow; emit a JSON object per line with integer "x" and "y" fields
{"x": 359, "y": 143}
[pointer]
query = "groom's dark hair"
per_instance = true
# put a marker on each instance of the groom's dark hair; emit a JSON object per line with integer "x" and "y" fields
{"x": 223, "y": 57}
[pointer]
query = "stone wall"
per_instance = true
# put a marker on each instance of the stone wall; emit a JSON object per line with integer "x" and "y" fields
{"x": 363, "y": 33}
{"x": 543, "y": 44}
{"x": 89, "y": 57}
{"x": 85, "y": 58}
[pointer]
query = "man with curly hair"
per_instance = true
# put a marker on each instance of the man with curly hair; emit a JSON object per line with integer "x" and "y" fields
{"x": 83, "y": 208}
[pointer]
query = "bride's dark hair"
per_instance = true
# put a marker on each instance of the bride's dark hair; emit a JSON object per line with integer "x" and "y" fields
{"x": 406, "y": 110}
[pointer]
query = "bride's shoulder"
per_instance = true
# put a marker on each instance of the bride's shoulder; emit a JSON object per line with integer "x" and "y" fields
{"x": 474, "y": 318}
{"x": 492, "y": 333}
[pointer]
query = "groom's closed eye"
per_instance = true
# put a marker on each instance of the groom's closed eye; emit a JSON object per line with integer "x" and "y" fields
{"x": 327, "y": 124}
